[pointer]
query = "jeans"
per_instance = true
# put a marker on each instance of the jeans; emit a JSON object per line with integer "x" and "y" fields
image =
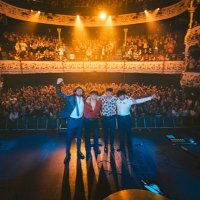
{"x": 124, "y": 125}
{"x": 91, "y": 125}
{"x": 109, "y": 125}
{"x": 74, "y": 126}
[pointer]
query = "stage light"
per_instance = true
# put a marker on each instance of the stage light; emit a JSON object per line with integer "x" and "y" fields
{"x": 158, "y": 8}
{"x": 109, "y": 21}
{"x": 102, "y": 15}
{"x": 145, "y": 11}
{"x": 34, "y": 15}
{"x": 78, "y": 21}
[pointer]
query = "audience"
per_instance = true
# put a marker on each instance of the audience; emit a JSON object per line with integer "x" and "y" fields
{"x": 43, "y": 101}
{"x": 152, "y": 47}
{"x": 30, "y": 47}
{"x": 94, "y": 49}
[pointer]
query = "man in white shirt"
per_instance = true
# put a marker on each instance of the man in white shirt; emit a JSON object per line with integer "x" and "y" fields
{"x": 124, "y": 104}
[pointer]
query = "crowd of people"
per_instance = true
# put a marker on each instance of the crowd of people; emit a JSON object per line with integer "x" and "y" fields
{"x": 96, "y": 49}
{"x": 43, "y": 101}
{"x": 152, "y": 47}
{"x": 30, "y": 47}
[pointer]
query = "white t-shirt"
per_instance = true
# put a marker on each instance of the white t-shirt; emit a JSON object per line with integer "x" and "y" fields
{"x": 80, "y": 108}
{"x": 124, "y": 106}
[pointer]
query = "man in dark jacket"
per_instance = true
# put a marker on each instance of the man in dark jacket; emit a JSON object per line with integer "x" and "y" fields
{"x": 73, "y": 112}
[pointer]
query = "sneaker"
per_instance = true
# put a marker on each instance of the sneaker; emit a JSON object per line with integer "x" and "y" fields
{"x": 88, "y": 155}
{"x": 122, "y": 150}
{"x": 67, "y": 158}
{"x": 106, "y": 149}
{"x": 112, "y": 150}
{"x": 97, "y": 151}
{"x": 80, "y": 155}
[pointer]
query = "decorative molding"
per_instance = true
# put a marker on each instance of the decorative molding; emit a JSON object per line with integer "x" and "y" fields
{"x": 92, "y": 21}
{"x": 191, "y": 39}
{"x": 190, "y": 79}
{"x": 191, "y": 36}
{"x": 34, "y": 67}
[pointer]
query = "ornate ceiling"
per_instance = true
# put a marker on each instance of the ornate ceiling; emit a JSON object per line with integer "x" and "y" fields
{"x": 93, "y": 21}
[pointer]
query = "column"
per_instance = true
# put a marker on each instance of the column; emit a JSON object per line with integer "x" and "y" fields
{"x": 59, "y": 31}
{"x": 125, "y": 35}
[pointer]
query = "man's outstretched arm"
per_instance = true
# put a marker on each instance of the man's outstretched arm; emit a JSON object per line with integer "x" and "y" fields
{"x": 143, "y": 100}
{"x": 58, "y": 88}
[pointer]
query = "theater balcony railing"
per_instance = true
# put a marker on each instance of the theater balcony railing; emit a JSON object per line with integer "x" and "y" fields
{"x": 34, "y": 67}
{"x": 59, "y": 125}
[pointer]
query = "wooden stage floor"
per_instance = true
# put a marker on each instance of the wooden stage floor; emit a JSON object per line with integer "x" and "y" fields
{"x": 31, "y": 167}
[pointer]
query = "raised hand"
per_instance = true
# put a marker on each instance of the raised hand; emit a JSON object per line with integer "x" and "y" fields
{"x": 153, "y": 96}
{"x": 59, "y": 81}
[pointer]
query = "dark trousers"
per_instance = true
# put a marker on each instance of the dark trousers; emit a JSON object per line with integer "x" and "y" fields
{"x": 91, "y": 125}
{"x": 74, "y": 127}
{"x": 124, "y": 126}
{"x": 109, "y": 125}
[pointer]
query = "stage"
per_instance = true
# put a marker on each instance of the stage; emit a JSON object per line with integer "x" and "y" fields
{"x": 31, "y": 166}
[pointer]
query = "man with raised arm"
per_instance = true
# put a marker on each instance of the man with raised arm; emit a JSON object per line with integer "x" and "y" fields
{"x": 73, "y": 112}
